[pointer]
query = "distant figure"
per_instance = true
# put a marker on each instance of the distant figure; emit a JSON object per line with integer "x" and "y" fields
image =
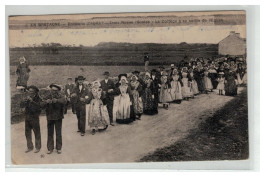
{"x": 68, "y": 90}
{"x": 22, "y": 72}
{"x": 146, "y": 61}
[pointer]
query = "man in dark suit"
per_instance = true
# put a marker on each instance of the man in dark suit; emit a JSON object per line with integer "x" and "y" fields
{"x": 55, "y": 113}
{"x": 32, "y": 105}
{"x": 108, "y": 87}
{"x": 80, "y": 97}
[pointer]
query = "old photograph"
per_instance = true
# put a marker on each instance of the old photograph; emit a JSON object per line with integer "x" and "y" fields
{"x": 128, "y": 87}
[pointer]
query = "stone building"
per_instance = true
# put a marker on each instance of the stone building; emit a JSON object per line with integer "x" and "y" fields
{"x": 232, "y": 45}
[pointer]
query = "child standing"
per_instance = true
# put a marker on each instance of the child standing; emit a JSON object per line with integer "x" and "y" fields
{"x": 221, "y": 83}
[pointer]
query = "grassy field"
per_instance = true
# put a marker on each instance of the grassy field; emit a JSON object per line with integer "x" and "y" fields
{"x": 112, "y": 54}
{"x": 223, "y": 136}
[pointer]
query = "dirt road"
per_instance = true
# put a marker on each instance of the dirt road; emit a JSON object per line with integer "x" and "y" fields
{"x": 120, "y": 143}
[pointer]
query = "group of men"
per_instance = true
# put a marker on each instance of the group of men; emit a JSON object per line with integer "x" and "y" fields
{"x": 55, "y": 104}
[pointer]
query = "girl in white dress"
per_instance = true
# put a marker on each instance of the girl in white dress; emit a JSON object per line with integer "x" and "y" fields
{"x": 186, "y": 88}
{"x": 221, "y": 83}
{"x": 176, "y": 95}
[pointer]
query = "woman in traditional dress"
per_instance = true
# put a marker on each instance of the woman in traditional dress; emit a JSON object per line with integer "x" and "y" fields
{"x": 176, "y": 87}
{"x": 186, "y": 88}
{"x": 194, "y": 85}
{"x": 22, "y": 72}
{"x": 207, "y": 81}
{"x": 240, "y": 73}
{"x": 165, "y": 96}
{"x": 230, "y": 83}
{"x": 149, "y": 102}
{"x": 221, "y": 81}
{"x": 136, "y": 92}
{"x": 122, "y": 102}
{"x": 97, "y": 113}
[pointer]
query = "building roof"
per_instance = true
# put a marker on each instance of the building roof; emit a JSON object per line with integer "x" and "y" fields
{"x": 233, "y": 34}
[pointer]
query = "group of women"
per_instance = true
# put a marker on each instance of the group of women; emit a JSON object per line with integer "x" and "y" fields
{"x": 140, "y": 93}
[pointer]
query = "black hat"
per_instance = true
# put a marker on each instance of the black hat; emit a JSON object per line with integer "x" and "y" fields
{"x": 34, "y": 88}
{"x": 121, "y": 75}
{"x": 69, "y": 78}
{"x": 136, "y": 72}
{"x": 80, "y": 78}
{"x": 106, "y": 73}
{"x": 153, "y": 70}
{"x": 56, "y": 86}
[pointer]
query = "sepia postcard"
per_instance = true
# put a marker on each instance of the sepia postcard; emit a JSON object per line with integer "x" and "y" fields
{"x": 128, "y": 87}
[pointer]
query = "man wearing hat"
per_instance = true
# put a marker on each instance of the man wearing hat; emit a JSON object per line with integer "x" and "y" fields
{"x": 32, "y": 105}
{"x": 55, "y": 113}
{"x": 68, "y": 90}
{"x": 80, "y": 97}
{"x": 108, "y": 87}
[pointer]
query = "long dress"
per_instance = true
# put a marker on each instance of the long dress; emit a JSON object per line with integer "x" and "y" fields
{"x": 149, "y": 103}
{"x": 194, "y": 85}
{"x": 230, "y": 85}
{"x": 186, "y": 88}
{"x": 165, "y": 95}
{"x": 136, "y": 89}
{"x": 175, "y": 88}
{"x": 221, "y": 85}
{"x": 122, "y": 105}
{"x": 97, "y": 113}
{"x": 207, "y": 82}
{"x": 23, "y": 74}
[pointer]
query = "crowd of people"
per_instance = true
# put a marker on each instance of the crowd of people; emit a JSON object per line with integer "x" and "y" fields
{"x": 127, "y": 97}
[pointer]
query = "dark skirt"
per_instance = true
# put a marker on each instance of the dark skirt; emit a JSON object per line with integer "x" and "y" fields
{"x": 200, "y": 84}
{"x": 231, "y": 87}
{"x": 124, "y": 121}
{"x": 150, "y": 104}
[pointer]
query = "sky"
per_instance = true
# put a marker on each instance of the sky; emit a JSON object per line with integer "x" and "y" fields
{"x": 91, "y": 37}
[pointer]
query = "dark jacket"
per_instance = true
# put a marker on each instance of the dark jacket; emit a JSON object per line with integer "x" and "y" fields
{"x": 84, "y": 93}
{"x": 32, "y": 108}
{"x": 155, "y": 85}
{"x": 109, "y": 96}
{"x": 54, "y": 111}
{"x": 70, "y": 87}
